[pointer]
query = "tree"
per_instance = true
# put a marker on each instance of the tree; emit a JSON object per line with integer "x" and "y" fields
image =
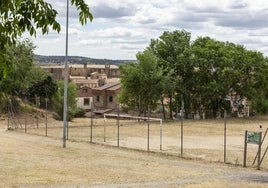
{"x": 25, "y": 78}
{"x": 173, "y": 52}
{"x": 57, "y": 100}
{"x": 141, "y": 83}
{"x": 19, "y": 16}
{"x": 44, "y": 89}
{"x": 223, "y": 69}
{"x": 23, "y": 72}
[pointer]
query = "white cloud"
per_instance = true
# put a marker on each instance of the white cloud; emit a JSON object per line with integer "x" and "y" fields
{"x": 122, "y": 28}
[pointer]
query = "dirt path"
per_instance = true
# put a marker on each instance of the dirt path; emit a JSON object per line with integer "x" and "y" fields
{"x": 38, "y": 161}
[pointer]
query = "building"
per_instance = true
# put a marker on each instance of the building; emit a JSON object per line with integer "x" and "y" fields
{"x": 84, "y": 98}
{"x": 105, "y": 97}
{"x": 56, "y": 70}
{"x": 83, "y": 70}
{"x": 97, "y": 84}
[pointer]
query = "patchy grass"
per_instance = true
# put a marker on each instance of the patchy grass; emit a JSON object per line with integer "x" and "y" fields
{"x": 32, "y": 160}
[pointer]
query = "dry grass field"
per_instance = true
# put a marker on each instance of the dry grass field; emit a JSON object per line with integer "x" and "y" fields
{"x": 34, "y": 160}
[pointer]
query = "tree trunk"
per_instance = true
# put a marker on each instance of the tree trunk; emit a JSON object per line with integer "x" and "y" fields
{"x": 170, "y": 106}
{"x": 163, "y": 107}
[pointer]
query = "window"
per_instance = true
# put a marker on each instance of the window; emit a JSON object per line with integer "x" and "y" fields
{"x": 110, "y": 98}
{"x": 86, "y": 101}
{"x": 98, "y": 98}
{"x": 84, "y": 90}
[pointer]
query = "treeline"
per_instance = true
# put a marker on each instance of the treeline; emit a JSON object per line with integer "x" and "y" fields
{"x": 198, "y": 77}
{"x": 24, "y": 80}
{"x": 45, "y": 60}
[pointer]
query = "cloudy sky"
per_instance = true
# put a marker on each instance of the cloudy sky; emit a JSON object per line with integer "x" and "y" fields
{"x": 121, "y": 28}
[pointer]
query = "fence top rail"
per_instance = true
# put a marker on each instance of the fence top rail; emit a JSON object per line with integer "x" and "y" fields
{"x": 133, "y": 117}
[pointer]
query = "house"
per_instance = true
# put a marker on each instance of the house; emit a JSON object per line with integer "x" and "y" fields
{"x": 105, "y": 97}
{"x": 84, "y": 98}
{"x": 100, "y": 81}
{"x": 112, "y": 71}
{"x": 86, "y": 70}
{"x": 81, "y": 81}
{"x": 56, "y": 70}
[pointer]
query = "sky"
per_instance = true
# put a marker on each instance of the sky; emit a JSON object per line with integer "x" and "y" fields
{"x": 122, "y": 28}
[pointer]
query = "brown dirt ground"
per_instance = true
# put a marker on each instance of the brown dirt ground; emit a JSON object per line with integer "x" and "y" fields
{"x": 34, "y": 160}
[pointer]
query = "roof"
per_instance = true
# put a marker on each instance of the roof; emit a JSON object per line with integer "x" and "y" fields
{"x": 96, "y": 66}
{"x": 82, "y": 80}
{"x": 112, "y": 80}
{"x": 112, "y": 86}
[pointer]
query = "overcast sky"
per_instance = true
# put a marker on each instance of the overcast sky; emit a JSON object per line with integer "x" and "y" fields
{"x": 121, "y": 28}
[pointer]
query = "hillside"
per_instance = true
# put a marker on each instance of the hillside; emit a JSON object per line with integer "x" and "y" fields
{"x": 76, "y": 60}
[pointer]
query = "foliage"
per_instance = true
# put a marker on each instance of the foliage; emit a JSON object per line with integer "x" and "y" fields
{"x": 20, "y": 58}
{"x": 26, "y": 79}
{"x": 57, "y": 100}
{"x": 141, "y": 82}
{"x": 3, "y": 102}
{"x": 201, "y": 76}
{"x": 43, "y": 88}
{"x": 19, "y": 16}
{"x": 223, "y": 69}
{"x": 79, "y": 113}
{"x": 173, "y": 52}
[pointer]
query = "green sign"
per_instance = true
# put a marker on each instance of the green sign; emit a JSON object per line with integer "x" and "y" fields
{"x": 253, "y": 137}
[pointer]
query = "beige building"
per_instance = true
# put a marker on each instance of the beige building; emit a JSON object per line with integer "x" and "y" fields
{"x": 86, "y": 70}
{"x": 102, "y": 80}
{"x": 105, "y": 97}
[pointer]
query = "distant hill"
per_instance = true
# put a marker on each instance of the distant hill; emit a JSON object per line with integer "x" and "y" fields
{"x": 45, "y": 60}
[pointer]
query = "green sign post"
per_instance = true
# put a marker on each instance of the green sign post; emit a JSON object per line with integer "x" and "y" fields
{"x": 252, "y": 138}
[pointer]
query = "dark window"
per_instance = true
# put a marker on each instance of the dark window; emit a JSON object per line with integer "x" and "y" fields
{"x": 84, "y": 90}
{"x": 98, "y": 98}
{"x": 86, "y": 101}
{"x": 110, "y": 98}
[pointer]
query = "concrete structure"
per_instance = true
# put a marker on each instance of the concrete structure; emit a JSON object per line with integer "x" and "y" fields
{"x": 105, "y": 97}
{"x": 98, "y": 82}
{"x": 84, "y": 98}
{"x": 86, "y": 70}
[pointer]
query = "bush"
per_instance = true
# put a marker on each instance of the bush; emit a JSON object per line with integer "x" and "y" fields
{"x": 79, "y": 112}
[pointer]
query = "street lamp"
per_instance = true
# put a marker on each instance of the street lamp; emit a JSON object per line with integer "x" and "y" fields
{"x": 66, "y": 78}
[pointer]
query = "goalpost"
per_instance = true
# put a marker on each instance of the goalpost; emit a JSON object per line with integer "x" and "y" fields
{"x": 148, "y": 119}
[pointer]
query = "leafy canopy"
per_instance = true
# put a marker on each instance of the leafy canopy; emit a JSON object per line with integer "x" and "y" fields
{"x": 142, "y": 82}
{"x": 19, "y": 16}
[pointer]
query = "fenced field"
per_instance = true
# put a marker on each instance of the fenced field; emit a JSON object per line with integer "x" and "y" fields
{"x": 194, "y": 139}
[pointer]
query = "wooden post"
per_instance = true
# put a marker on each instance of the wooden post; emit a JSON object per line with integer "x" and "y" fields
{"x": 259, "y": 151}
{"x": 118, "y": 129}
{"x": 36, "y": 104}
{"x": 148, "y": 130}
{"x": 46, "y": 116}
{"x": 91, "y": 122}
{"x": 182, "y": 114}
{"x": 261, "y": 144}
{"x": 224, "y": 152}
{"x": 161, "y": 135}
{"x": 25, "y": 123}
{"x": 245, "y": 150}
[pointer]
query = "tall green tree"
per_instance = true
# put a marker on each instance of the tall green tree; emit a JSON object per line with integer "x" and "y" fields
{"x": 223, "y": 69}
{"x": 57, "y": 100}
{"x": 23, "y": 72}
{"x": 142, "y": 82}
{"x": 25, "y": 78}
{"x": 212, "y": 83}
{"x": 174, "y": 53}
{"x": 19, "y": 16}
